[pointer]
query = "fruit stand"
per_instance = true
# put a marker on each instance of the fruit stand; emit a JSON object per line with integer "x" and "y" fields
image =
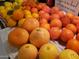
{"x": 32, "y": 29}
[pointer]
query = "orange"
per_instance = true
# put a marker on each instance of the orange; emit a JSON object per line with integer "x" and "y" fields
{"x": 72, "y": 27}
{"x": 73, "y": 44}
{"x": 18, "y": 14}
{"x": 55, "y": 10}
{"x": 53, "y": 16}
{"x": 39, "y": 37}
{"x": 65, "y": 20}
{"x": 75, "y": 20}
{"x": 18, "y": 36}
{"x": 42, "y": 21}
{"x": 70, "y": 15}
{"x": 61, "y": 13}
{"x": 28, "y": 51}
{"x": 46, "y": 26}
{"x": 55, "y": 33}
{"x": 30, "y": 24}
{"x": 56, "y": 23}
{"x": 66, "y": 35}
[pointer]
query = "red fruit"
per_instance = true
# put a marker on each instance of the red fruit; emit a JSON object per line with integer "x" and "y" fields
{"x": 46, "y": 9}
{"x": 73, "y": 44}
{"x": 77, "y": 36}
{"x": 66, "y": 35}
{"x": 54, "y": 10}
{"x": 54, "y": 16}
{"x": 72, "y": 27}
{"x": 41, "y": 5}
{"x": 75, "y": 20}
{"x": 41, "y": 12}
{"x": 65, "y": 20}
{"x": 45, "y": 15}
{"x": 34, "y": 10}
{"x": 56, "y": 23}
{"x": 61, "y": 13}
{"x": 55, "y": 33}
{"x": 43, "y": 21}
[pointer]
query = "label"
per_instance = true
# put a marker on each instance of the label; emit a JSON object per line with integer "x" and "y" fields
{"x": 68, "y": 5}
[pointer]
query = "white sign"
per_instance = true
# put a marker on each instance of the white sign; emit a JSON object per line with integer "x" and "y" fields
{"x": 68, "y": 5}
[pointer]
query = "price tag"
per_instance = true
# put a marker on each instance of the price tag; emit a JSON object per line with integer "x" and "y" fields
{"x": 68, "y": 5}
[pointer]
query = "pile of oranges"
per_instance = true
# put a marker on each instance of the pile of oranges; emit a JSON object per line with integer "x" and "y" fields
{"x": 40, "y": 24}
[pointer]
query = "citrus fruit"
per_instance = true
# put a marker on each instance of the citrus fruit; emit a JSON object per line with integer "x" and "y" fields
{"x": 48, "y": 51}
{"x": 66, "y": 35}
{"x": 30, "y": 24}
{"x": 56, "y": 23}
{"x": 18, "y": 36}
{"x": 68, "y": 54}
{"x": 55, "y": 33}
{"x": 73, "y": 44}
{"x": 28, "y": 51}
{"x": 39, "y": 37}
{"x": 72, "y": 27}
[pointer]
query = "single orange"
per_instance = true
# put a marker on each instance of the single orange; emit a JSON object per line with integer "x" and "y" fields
{"x": 42, "y": 21}
{"x": 66, "y": 35}
{"x": 65, "y": 20}
{"x": 28, "y": 51}
{"x": 55, "y": 33}
{"x": 30, "y": 24}
{"x": 18, "y": 14}
{"x": 73, "y": 44}
{"x": 39, "y": 37}
{"x": 75, "y": 20}
{"x": 72, "y": 27}
{"x": 56, "y": 23}
{"x": 18, "y": 36}
{"x": 55, "y": 10}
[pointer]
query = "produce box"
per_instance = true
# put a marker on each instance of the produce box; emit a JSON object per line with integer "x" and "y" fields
{"x": 68, "y": 5}
{"x": 38, "y": 24}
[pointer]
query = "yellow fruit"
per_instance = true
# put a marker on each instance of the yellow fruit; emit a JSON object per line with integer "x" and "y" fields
{"x": 35, "y": 15}
{"x": 28, "y": 16}
{"x": 28, "y": 51}
{"x": 21, "y": 22}
{"x": 2, "y": 7}
{"x": 39, "y": 37}
{"x": 27, "y": 12}
{"x": 9, "y": 8}
{"x": 68, "y": 54}
{"x": 8, "y": 4}
{"x": 3, "y": 11}
{"x": 19, "y": 2}
{"x": 10, "y": 22}
{"x": 48, "y": 51}
{"x": 14, "y": 4}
